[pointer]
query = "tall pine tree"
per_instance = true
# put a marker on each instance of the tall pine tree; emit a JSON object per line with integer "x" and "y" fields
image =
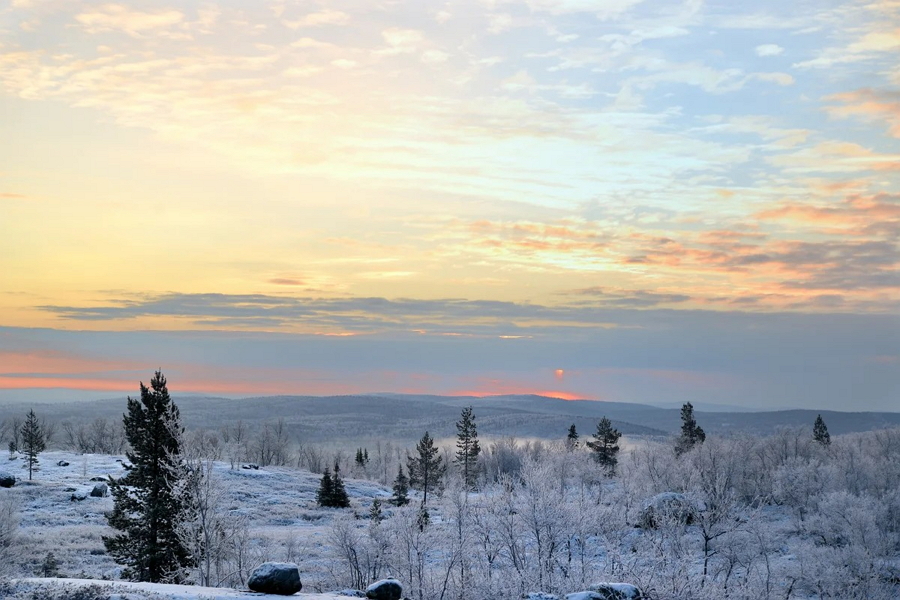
{"x": 820, "y": 432}
{"x": 426, "y": 467}
{"x": 606, "y": 446}
{"x": 467, "y": 448}
{"x": 145, "y": 509}
{"x": 691, "y": 433}
{"x": 33, "y": 441}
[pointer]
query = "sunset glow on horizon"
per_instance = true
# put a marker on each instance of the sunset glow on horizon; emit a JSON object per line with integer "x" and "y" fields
{"x": 625, "y": 200}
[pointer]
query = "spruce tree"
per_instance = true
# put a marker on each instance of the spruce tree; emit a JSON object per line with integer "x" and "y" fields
{"x": 339, "y": 497}
{"x": 375, "y": 513}
{"x": 820, "y": 432}
{"x": 33, "y": 442}
{"x": 326, "y": 489}
{"x": 426, "y": 467}
{"x": 145, "y": 509}
{"x": 467, "y": 447}
{"x": 691, "y": 433}
{"x": 401, "y": 489}
{"x": 572, "y": 438}
{"x": 606, "y": 446}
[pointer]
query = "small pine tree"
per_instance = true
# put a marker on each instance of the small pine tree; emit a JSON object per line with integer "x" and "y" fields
{"x": 572, "y": 438}
{"x": 606, "y": 446}
{"x": 326, "y": 489}
{"x": 401, "y": 489}
{"x": 33, "y": 442}
{"x": 50, "y": 566}
{"x": 360, "y": 459}
{"x": 147, "y": 511}
{"x": 467, "y": 447}
{"x": 426, "y": 467}
{"x": 691, "y": 433}
{"x": 820, "y": 432}
{"x": 375, "y": 513}
{"x": 339, "y": 497}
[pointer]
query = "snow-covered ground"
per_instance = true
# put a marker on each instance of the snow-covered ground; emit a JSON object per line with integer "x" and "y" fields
{"x": 64, "y": 588}
{"x": 278, "y": 501}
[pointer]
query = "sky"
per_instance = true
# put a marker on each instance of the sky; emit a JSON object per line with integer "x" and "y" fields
{"x": 647, "y": 201}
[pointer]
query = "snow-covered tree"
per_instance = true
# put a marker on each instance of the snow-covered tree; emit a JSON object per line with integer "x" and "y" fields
{"x": 606, "y": 446}
{"x": 33, "y": 441}
{"x": 146, "y": 510}
{"x": 467, "y": 447}
{"x": 426, "y": 467}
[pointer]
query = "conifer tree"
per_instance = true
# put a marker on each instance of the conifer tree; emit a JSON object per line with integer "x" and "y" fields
{"x": 467, "y": 447}
{"x": 146, "y": 510}
{"x": 375, "y": 513}
{"x": 606, "y": 446}
{"x": 691, "y": 433}
{"x": 339, "y": 497}
{"x": 426, "y": 467}
{"x": 401, "y": 489}
{"x": 326, "y": 489}
{"x": 572, "y": 438}
{"x": 33, "y": 441}
{"x": 331, "y": 491}
{"x": 820, "y": 432}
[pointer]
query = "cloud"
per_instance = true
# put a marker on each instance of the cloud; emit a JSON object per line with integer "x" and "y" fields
{"x": 118, "y": 17}
{"x": 769, "y": 50}
{"x": 631, "y": 298}
{"x": 869, "y": 105}
{"x": 318, "y": 19}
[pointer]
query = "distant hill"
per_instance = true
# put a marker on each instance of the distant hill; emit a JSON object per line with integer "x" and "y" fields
{"x": 403, "y": 418}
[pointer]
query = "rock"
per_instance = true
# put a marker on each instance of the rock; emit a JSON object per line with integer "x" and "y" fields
{"x": 668, "y": 507}
{"x": 98, "y": 478}
{"x": 7, "y": 480}
{"x": 275, "y": 578}
{"x": 100, "y": 490}
{"x": 253, "y": 466}
{"x": 385, "y": 589}
{"x": 618, "y": 591}
{"x": 62, "y": 463}
{"x": 79, "y": 495}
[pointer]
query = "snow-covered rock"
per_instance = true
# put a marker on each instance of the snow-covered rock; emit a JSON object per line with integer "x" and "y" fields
{"x": 275, "y": 578}
{"x": 668, "y": 507}
{"x": 100, "y": 490}
{"x": 385, "y": 589}
{"x": 7, "y": 480}
{"x": 618, "y": 591}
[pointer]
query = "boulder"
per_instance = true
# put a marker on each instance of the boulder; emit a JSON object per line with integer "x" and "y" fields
{"x": 668, "y": 507}
{"x": 98, "y": 478}
{"x": 275, "y": 578}
{"x": 7, "y": 480}
{"x": 253, "y": 466}
{"x": 618, "y": 591}
{"x": 100, "y": 490}
{"x": 385, "y": 589}
{"x": 79, "y": 495}
{"x": 62, "y": 463}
